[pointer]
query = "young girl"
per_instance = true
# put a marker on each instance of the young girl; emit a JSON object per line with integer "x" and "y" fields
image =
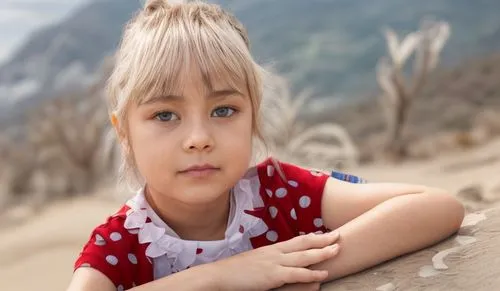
{"x": 185, "y": 98}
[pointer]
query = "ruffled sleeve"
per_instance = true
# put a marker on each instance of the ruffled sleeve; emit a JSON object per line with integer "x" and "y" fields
{"x": 115, "y": 252}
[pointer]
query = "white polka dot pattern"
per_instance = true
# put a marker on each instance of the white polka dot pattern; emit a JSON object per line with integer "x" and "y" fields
{"x": 99, "y": 240}
{"x": 112, "y": 260}
{"x": 304, "y": 201}
{"x": 293, "y": 214}
{"x": 316, "y": 173}
{"x": 115, "y": 236}
{"x": 318, "y": 222}
{"x": 281, "y": 192}
{"x": 272, "y": 236}
{"x": 273, "y": 211}
{"x": 132, "y": 258}
{"x": 294, "y": 184}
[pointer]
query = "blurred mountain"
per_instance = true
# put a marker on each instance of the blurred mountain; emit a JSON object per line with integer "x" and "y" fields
{"x": 329, "y": 45}
{"x": 63, "y": 56}
{"x": 333, "y": 45}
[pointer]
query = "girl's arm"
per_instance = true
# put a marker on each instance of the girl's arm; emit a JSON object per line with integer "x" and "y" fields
{"x": 380, "y": 221}
{"x": 263, "y": 268}
{"x": 196, "y": 278}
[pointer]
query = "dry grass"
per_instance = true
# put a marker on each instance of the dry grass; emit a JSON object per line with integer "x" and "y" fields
{"x": 460, "y": 105}
{"x": 61, "y": 151}
{"x": 399, "y": 90}
{"x": 322, "y": 145}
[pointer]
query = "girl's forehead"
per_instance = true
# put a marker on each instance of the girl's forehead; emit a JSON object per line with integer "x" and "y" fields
{"x": 207, "y": 80}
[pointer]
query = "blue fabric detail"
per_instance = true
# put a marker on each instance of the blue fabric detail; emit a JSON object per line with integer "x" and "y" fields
{"x": 347, "y": 177}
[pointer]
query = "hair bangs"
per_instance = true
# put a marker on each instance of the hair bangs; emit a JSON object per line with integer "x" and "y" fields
{"x": 221, "y": 65}
{"x": 163, "y": 58}
{"x": 159, "y": 59}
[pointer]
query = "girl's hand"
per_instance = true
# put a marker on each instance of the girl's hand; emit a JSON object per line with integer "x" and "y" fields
{"x": 275, "y": 265}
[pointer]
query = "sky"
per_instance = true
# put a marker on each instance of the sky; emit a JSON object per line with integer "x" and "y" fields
{"x": 18, "y": 18}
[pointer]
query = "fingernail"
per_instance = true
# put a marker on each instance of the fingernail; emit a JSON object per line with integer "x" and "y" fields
{"x": 335, "y": 233}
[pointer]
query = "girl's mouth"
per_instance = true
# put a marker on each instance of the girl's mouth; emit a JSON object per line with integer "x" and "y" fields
{"x": 200, "y": 171}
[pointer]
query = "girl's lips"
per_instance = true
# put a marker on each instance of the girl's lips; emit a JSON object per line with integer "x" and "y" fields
{"x": 199, "y": 168}
{"x": 200, "y": 171}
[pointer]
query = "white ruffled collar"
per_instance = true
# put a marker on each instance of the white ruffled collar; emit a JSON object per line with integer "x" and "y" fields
{"x": 184, "y": 253}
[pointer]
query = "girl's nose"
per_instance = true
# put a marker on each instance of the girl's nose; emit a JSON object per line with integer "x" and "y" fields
{"x": 199, "y": 137}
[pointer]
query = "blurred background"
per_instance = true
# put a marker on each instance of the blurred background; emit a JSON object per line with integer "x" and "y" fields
{"x": 388, "y": 90}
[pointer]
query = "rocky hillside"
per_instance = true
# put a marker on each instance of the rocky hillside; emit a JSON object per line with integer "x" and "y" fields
{"x": 331, "y": 46}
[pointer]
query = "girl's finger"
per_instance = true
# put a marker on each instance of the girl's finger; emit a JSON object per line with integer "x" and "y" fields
{"x": 310, "y": 256}
{"x": 293, "y": 275}
{"x": 308, "y": 241}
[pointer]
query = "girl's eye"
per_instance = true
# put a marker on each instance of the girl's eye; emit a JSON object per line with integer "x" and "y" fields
{"x": 223, "y": 112}
{"x": 166, "y": 116}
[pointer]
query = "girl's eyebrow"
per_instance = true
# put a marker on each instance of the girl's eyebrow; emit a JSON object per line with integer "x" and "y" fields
{"x": 216, "y": 94}
{"x": 224, "y": 93}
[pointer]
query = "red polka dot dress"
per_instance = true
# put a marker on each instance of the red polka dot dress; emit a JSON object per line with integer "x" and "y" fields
{"x": 273, "y": 202}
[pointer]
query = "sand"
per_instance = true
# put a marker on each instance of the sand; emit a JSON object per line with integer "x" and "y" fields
{"x": 37, "y": 253}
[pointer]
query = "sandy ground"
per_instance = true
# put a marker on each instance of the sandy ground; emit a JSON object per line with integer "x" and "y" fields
{"x": 38, "y": 254}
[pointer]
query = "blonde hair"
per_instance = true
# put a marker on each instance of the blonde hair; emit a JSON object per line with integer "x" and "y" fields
{"x": 158, "y": 46}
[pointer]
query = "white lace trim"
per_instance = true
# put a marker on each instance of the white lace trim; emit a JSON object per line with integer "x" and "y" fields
{"x": 181, "y": 254}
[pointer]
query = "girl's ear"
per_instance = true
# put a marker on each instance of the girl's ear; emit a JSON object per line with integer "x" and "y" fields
{"x": 119, "y": 131}
{"x": 114, "y": 120}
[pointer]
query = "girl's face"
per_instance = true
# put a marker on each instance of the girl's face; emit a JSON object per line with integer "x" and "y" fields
{"x": 194, "y": 145}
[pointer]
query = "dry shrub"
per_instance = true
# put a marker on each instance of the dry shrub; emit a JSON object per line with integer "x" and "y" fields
{"x": 324, "y": 145}
{"x": 62, "y": 151}
{"x": 464, "y": 140}
{"x": 399, "y": 90}
{"x": 489, "y": 121}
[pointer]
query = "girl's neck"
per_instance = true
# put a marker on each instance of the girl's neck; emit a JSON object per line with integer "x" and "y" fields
{"x": 192, "y": 222}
